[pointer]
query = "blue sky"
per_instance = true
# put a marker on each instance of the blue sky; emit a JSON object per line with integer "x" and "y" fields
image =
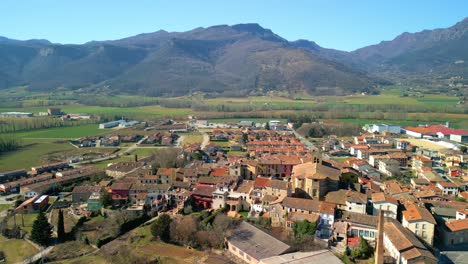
{"x": 345, "y": 24}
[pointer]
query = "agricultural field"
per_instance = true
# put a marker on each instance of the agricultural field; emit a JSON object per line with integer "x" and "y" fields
{"x": 142, "y": 112}
{"x": 16, "y": 250}
{"x": 34, "y": 152}
{"x": 64, "y": 132}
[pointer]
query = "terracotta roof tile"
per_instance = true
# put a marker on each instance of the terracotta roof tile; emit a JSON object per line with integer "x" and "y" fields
{"x": 457, "y": 225}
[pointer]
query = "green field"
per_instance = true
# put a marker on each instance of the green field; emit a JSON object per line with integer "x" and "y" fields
{"x": 64, "y": 132}
{"x": 16, "y": 250}
{"x": 143, "y": 112}
{"x": 33, "y": 153}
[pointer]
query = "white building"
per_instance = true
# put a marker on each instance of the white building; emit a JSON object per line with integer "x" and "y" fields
{"x": 111, "y": 124}
{"x": 381, "y": 128}
{"x": 448, "y": 188}
{"x": 420, "y": 221}
{"x": 382, "y": 202}
{"x": 462, "y": 214}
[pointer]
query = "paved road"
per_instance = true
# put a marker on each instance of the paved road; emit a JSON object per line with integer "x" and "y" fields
{"x": 206, "y": 140}
{"x": 306, "y": 142}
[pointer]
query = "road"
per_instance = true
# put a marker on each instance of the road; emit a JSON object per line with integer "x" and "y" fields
{"x": 306, "y": 142}
{"x": 206, "y": 140}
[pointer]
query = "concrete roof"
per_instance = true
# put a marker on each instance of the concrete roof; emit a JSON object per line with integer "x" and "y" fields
{"x": 316, "y": 257}
{"x": 257, "y": 243}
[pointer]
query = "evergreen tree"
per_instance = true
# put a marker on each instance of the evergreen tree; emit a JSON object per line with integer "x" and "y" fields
{"x": 161, "y": 227}
{"x": 267, "y": 125}
{"x": 41, "y": 230}
{"x": 106, "y": 198}
{"x": 60, "y": 227}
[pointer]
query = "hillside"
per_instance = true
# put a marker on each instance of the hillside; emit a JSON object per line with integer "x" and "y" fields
{"x": 238, "y": 60}
{"x": 231, "y": 60}
{"x": 431, "y": 56}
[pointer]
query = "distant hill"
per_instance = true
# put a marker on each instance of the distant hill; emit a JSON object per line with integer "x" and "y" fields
{"x": 429, "y": 56}
{"x": 233, "y": 60}
{"x": 239, "y": 59}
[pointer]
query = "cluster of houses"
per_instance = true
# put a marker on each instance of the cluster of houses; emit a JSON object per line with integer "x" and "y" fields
{"x": 284, "y": 181}
{"x": 438, "y": 132}
{"x": 42, "y": 178}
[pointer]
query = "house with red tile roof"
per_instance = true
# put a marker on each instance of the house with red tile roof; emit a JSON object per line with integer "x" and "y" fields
{"x": 455, "y": 232}
{"x": 420, "y": 221}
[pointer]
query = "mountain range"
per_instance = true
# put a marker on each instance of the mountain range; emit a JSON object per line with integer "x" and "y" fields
{"x": 233, "y": 60}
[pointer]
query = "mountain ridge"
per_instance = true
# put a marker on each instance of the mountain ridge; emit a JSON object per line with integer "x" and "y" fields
{"x": 245, "y": 58}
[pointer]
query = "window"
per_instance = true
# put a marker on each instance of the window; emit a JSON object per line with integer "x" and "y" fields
{"x": 366, "y": 234}
{"x": 423, "y": 226}
{"x": 416, "y": 232}
{"x": 416, "y": 226}
{"x": 424, "y": 234}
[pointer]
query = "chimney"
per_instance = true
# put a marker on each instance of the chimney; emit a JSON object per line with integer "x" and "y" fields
{"x": 379, "y": 249}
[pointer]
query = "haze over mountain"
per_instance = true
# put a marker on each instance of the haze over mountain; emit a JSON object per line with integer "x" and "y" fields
{"x": 238, "y": 60}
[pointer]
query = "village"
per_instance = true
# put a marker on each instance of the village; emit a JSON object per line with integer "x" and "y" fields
{"x": 337, "y": 196}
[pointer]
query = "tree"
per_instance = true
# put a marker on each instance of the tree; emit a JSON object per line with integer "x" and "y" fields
{"x": 106, "y": 198}
{"x": 365, "y": 248}
{"x": 60, "y": 227}
{"x": 161, "y": 227}
{"x": 464, "y": 149}
{"x": 303, "y": 228}
{"x": 267, "y": 125}
{"x": 41, "y": 230}
{"x": 183, "y": 230}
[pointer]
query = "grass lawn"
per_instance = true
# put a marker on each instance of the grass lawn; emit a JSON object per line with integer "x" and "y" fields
{"x": 95, "y": 259}
{"x": 28, "y": 221}
{"x": 16, "y": 250}
{"x": 142, "y": 245}
{"x": 191, "y": 138}
{"x": 4, "y": 207}
{"x": 236, "y": 153}
{"x": 224, "y": 144}
{"x": 63, "y": 132}
{"x": 244, "y": 214}
{"x": 33, "y": 153}
{"x": 143, "y": 152}
{"x": 70, "y": 250}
